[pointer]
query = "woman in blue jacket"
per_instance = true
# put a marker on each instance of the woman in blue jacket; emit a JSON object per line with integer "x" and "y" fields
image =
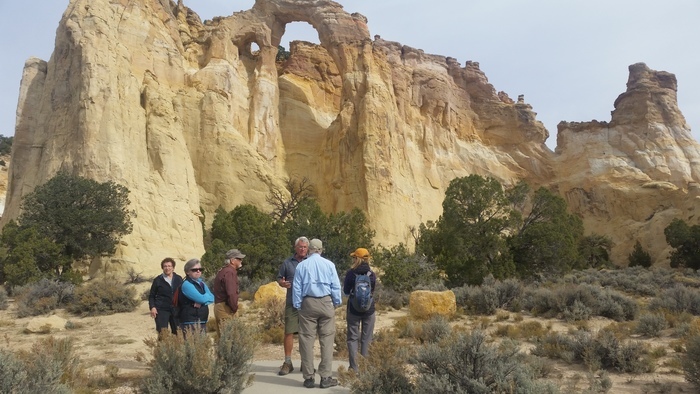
{"x": 194, "y": 299}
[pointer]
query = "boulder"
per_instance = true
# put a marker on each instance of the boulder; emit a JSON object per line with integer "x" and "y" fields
{"x": 45, "y": 325}
{"x": 423, "y": 304}
{"x": 270, "y": 290}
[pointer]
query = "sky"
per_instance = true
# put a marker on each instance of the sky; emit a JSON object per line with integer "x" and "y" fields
{"x": 569, "y": 58}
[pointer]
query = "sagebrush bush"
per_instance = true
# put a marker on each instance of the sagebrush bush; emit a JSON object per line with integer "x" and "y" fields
{"x": 272, "y": 312}
{"x": 197, "y": 364}
{"x": 3, "y": 298}
{"x": 600, "y": 351}
{"x": 678, "y": 299}
{"x": 384, "y": 371}
{"x": 435, "y": 329}
{"x": 103, "y": 297}
{"x": 651, "y": 324}
{"x": 467, "y": 363}
{"x": 42, "y": 297}
{"x": 526, "y": 330}
{"x": 690, "y": 361}
{"x": 490, "y": 296}
{"x": 50, "y": 367}
{"x": 385, "y": 297}
{"x": 579, "y": 302}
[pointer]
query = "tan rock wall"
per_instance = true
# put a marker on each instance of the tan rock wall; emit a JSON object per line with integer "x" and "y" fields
{"x": 189, "y": 117}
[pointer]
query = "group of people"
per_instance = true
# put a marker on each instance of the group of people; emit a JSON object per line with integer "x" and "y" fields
{"x": 184, "y": 303}
{"x": 313, "y": 293}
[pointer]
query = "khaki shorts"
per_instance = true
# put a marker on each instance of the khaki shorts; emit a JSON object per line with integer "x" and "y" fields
{"x": 291, "y": 320}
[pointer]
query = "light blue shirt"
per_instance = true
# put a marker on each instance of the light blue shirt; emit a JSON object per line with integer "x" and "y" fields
{"x": 316, "y": 277}
{"x": 193, "y": 294}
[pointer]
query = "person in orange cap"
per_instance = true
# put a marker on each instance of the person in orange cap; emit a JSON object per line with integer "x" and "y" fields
{"x": 359, "y": 284}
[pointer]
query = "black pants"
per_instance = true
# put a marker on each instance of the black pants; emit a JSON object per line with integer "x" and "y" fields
{"x": 165, "y": 318}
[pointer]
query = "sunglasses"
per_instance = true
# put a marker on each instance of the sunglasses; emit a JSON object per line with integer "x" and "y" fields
{"x": 197, "y": 270}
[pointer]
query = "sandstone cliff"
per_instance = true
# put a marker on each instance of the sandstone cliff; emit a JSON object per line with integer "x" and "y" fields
{"x": 189, "y": 117}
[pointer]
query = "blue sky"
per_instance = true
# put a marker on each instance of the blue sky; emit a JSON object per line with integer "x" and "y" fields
{"x": 569, "y": 58}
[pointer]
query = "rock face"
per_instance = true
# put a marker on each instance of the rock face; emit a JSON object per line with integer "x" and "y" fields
{"x": 190, "y": 117}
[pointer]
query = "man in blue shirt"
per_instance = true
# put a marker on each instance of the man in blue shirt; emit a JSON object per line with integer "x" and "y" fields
{"x": 316, "y": 294}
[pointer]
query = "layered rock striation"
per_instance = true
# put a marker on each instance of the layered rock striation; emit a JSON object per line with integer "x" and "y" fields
{"x": 191, "y": 116}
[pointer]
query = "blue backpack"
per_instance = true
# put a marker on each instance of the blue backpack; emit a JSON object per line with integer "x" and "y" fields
{"x": 362, "y": 293}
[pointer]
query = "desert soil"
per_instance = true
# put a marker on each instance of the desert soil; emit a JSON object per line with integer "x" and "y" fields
{"x": 118, "y": 340}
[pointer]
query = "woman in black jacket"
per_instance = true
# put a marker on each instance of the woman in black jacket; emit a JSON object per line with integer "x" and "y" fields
{"x": 160, "y": 298}
{"x": 360, "y": 323}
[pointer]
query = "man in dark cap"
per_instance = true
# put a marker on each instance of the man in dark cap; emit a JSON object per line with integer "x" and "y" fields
{"x": 226, "y": 288}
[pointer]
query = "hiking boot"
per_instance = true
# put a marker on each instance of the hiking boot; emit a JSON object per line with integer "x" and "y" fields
{"x": 309, "y": 383}
{"x": 328, "y": 382}
{"x": 286, "y": 368}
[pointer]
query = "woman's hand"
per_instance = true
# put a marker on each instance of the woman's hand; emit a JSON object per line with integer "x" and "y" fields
{"x": 154, "y": 312}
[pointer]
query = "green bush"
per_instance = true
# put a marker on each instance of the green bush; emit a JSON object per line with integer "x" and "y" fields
{"x": 42, "y": 297}
{"x": 197, "y": 364}
{"x": 651, "y": 324}
{"x": 690, "y": 361}
{"x": 639, "y": 257}
{"x": 5, "y": 145}
{"x": 403, "y": 271}
{"x": 50, "y": 367}
{"x": 103, "y": 297}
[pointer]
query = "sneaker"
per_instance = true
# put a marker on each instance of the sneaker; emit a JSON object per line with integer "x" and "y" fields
{"x": 309, "y": 383}
{"x": 286, "y": 368}
{"x": 328, "y": 382}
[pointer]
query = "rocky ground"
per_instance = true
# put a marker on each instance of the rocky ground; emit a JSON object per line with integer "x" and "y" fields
{"x": 118, "y": 341}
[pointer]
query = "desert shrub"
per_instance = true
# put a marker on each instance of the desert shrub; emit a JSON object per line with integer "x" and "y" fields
{"x": 481, "y": 300}
{"x": 690, "y": 361}
{"x": 525, "y": 330}
{"x": 197, "y": 364}
{"x": 617, "y": 306}
{"x": 341, "y": 342}
{"x": 577, "y": 311}
{"x": 580, "y": 302}
{"x": 435, "y": 329}
{"x": 272, "y": 312}
{"x": 467, "y": 363}
{"x": 651, "y": 324}
{"x": 42, "y": 297}
{"x": 103, "y": 297}
{"x": 678, "y": 299}
{"x": 540, "y": 302}
{"x": 407, "y": 328}
{"x": 134, "y": 277}
{"x": 3, "y": 299}
{"x": 556, "y": 346}
{"x": 13, "y": 375}
{"x": 491, "y": 295}
{"x": 384, "y": 371}
{"x": 50, "y": 367}
{"x": 602, "y": 350}
{"x": 404, "y": 271}
{"x": 385, "y": 297}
